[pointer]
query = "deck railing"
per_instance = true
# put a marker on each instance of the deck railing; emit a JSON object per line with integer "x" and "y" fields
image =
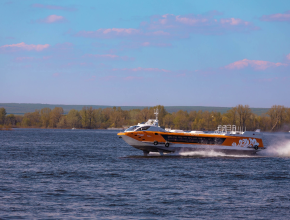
{"x": 230, "y": 129}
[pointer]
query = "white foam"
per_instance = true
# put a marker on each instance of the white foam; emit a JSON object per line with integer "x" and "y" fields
{"x": 154, "y": 154}
{"x": 200, "y": 153}
{"x": 208, "y": 153}
{"x": 279, "y": 149}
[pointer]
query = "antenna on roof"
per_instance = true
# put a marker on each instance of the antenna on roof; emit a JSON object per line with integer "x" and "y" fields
{"x": 156, "y": 112}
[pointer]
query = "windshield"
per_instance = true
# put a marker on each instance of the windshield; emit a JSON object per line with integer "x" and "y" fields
{"x": 132, "y": 128}
{"x": 143, "y": 128}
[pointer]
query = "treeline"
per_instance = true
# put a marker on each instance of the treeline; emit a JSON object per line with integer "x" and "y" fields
{"x": 276, "y": 119}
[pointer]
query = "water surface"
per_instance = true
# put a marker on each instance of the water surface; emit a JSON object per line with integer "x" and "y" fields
{"x": 72, "y": 174}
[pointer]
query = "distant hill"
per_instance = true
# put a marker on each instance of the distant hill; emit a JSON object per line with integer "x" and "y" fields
{"x": 22, "y": 108}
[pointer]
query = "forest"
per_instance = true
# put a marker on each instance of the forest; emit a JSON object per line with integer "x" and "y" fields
{"x": 276, "y": 119}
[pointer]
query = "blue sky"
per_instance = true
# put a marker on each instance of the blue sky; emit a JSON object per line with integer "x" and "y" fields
{"x": 194, "y": 53}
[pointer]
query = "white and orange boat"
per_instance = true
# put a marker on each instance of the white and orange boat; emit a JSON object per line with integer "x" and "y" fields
{"x": 150, "y": 137}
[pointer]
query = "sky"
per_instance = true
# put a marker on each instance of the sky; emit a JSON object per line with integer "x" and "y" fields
{"x": 145, "y": 53}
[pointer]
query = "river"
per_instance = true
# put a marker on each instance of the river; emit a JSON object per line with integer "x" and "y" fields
{"x": 69, "y": 174}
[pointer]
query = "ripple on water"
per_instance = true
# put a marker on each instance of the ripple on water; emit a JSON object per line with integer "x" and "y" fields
{"x": 94, "y": 174}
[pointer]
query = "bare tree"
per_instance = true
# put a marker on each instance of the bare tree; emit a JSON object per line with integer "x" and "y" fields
{"x": 244, "y": 113}
{"x": 277, "y": 114}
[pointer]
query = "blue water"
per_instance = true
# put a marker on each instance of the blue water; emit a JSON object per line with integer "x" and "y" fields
{"x": 93, "y": 174}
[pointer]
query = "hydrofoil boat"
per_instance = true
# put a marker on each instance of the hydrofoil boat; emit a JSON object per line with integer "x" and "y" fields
{"x": 150, "y": 137}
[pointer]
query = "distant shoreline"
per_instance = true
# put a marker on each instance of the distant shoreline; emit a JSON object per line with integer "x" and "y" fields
{"x": 275, "y": 119}
{"x": 107, "y": 129}
{"x": 22, "y": 108}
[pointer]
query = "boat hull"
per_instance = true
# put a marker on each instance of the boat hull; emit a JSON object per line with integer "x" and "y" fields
{"x": 147, "y": 147}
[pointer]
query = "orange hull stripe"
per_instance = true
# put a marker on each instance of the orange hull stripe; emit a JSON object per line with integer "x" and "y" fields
{"x": 151, "y": 136}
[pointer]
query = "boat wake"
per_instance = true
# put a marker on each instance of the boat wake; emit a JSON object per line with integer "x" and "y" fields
{"x": 201, "y": 153}
{"x": 207, "y": 153}
{"x": 280, "y": 149}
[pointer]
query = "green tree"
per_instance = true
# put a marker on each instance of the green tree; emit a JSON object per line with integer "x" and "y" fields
{"x": 62, "y": 122}
{"x": 133, "y": 116}
{"x": 216, "y": 119}
{"x": 55, "y": 116}
{"x": 10, "y": 120}
{"x": 2, "y": 115}
{"x": 244, "y": 113}
{"x": 144, "y": 115}
{"x": 168, "y": 121}
{"x": 181, "y": 120}
{"x": 18, "y": 120}
{"x": 232, "y": 115}
{"x": 208, "y": 119}
{"x": 45, "y": 116}
{"x": 90, "y": 116}
{"x": 87, "y": 117}
{"x": 73, "y": 119}
{"x": 117, "y": 118}
{"x": 98, "y": 118}
{"x": 31, "y": 119}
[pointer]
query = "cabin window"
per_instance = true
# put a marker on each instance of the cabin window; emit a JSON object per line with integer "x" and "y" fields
{"x": 143, "y": 128}
{"x": 132, "y": 128}
{"x": 193, "y": 139}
